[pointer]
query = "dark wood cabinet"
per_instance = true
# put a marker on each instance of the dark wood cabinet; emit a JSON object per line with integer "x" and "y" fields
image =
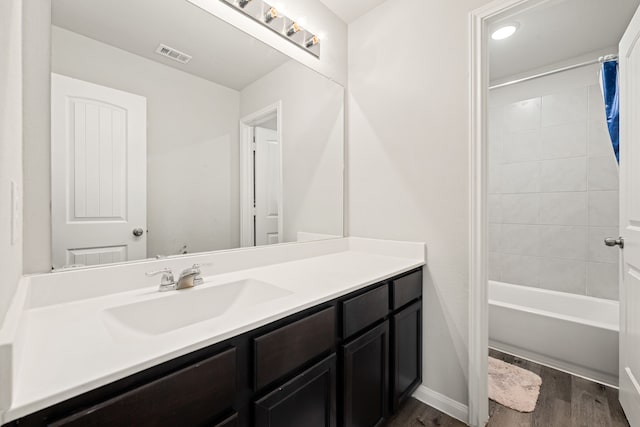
{"x": 406, "y": 288}
{"x": 363, "y": 310}
{"x": 307, "y": 400}
{"x": 281, "y": 351}
{"x": 406, "y": 356}
{"x": 365, "y": 378}
{"x": 191, "y": 396}
{"x": 348, "y": 362}
{"x": 231, "y": 421}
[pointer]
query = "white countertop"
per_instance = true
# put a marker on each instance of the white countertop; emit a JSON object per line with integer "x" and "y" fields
{"x": 66, "y": 349}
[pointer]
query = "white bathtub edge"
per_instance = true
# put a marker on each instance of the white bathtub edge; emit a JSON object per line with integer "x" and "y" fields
{"x": 442, "y": 403}
{"x": 546, "y": 313}
{"x": 550, "y": 362}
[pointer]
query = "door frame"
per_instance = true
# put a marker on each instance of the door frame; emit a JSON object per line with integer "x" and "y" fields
{"x": 247, "y": 123}
{"x": 479, "y": 25}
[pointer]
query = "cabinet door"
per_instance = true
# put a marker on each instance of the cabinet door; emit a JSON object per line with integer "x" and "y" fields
{"x": 366, "y": 378}
{"x": 231, "y": 421}
{"x": 307, "y": 400}
{"x": 407, "y": 353}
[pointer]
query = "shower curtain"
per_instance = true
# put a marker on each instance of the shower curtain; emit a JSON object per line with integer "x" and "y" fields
{"x": 611, "y": 89}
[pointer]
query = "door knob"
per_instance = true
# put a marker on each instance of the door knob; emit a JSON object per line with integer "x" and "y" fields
{"x": 612, "y": 241}
{"x": 138, "y": 232}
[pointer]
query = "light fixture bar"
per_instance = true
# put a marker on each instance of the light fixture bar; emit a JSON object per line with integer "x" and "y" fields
{"x": 273, "y": 19}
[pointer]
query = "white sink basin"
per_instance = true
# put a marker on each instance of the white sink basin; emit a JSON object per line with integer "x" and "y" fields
{"x": 178, "y": 309}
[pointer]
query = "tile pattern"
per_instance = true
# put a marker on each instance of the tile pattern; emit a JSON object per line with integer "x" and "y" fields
{"x": 553, "y": 194}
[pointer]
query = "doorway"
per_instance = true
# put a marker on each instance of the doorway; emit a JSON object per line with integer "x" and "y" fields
{"x": 539, "y": 260}
{"x": 261, "y": 177}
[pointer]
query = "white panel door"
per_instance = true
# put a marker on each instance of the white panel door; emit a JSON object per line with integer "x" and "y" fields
{"x": 267, "y": 184}
{"x": 630, "y": 222}
{"x": 98, "y": 173}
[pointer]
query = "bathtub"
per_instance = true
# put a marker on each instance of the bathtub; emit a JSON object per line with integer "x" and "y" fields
{"x": 573, "y": 333}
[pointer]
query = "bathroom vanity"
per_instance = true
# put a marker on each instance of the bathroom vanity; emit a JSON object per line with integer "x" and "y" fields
{"x": 333, "y": 338}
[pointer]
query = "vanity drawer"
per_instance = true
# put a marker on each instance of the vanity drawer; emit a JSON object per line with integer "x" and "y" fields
{"x": 364, "y": 310}
{"x": 281, "y": 351}
{"x": 191, "y": 396}
{"x": 406, "y": 289}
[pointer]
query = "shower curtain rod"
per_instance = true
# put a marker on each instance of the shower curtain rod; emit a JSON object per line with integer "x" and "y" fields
{"x": 559, "y": 70}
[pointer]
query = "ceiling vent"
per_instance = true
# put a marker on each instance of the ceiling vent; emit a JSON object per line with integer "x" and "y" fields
{"x": 174, "y": 54}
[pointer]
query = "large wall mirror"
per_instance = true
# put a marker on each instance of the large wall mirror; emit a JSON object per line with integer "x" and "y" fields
{"x": 174, "y": 132}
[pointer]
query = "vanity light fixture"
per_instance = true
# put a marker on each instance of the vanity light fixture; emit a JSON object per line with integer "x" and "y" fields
{"x": 294, "y": 28}
{"x": 504, "y": 32}
{"x": 271, "y": 15}
{"x": 273, "y": 18}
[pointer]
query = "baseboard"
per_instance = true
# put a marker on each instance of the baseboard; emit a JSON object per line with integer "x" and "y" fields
{"x": 442, "y": 403}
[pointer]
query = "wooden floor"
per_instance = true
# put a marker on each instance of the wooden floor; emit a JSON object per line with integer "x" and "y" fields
{"x": 564, "y": 401}
{"x": 417, "y": 414}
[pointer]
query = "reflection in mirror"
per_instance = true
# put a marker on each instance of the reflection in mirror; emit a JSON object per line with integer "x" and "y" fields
{"x": 174, "y": 132}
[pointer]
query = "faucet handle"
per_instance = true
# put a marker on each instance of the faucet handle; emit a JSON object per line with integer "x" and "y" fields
{"x": 167, "y": 276}
{"x": 196, "y": 268}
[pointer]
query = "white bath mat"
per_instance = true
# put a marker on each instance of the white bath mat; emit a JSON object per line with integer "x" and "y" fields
{"x": 512, "y": 386}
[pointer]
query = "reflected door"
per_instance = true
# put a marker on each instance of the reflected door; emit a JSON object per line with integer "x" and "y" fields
{"x": 630, "y": 222}
{"x": 98, "y": 174}
{"x": 266, "y": 179}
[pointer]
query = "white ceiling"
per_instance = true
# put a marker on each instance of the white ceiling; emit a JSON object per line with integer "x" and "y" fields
{"x": 350, "y": 10}
{"x": 221, "y": 53}
{"x": 557, "y": 31}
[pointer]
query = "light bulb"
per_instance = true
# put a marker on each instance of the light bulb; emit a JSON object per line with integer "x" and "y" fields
{"x": 294, "y": 28}
{"x": 312, "y": 41}
{"x": 271, "y": 15}
{"x": 504, "y": 32}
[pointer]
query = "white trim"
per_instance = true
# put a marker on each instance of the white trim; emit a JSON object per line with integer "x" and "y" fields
{"x": 442, "y": 403}
{"x": 246, "y": 172}
{"x": 478, "y": 224}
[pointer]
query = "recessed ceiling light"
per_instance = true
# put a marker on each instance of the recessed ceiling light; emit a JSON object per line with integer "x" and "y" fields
{"x": 504, "y": 32}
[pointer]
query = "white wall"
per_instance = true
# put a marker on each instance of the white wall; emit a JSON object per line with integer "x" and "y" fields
{"x": 408, "y": 159}
{"x": 37, "y": 133}
{"x": 10, "y": 145}
{"x": 192, "y": 149}
{"x": 553, "y": 185}
{"x": 312, "y": 144}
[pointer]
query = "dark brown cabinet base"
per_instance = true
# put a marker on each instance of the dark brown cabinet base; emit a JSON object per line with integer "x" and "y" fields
{"x": 366, "y": 378}
{"x": 406, "y": 353}
{"x": 307, "y": 400}
{"x": 349, "y": 362}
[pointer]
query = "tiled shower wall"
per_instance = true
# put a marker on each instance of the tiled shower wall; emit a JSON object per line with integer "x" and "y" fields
{"x": 553, "y": 186}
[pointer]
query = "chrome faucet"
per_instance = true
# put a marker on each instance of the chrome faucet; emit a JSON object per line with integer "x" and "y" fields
{"x": 188, "y": 278}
